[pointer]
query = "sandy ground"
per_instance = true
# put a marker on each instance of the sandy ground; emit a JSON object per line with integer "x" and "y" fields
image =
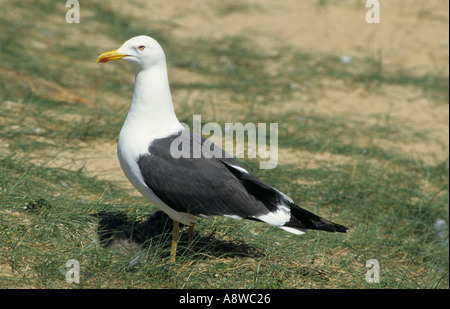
{"x": 412, "y": 36}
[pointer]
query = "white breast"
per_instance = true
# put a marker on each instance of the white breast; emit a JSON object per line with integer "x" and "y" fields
{"x": 130, "y": 147}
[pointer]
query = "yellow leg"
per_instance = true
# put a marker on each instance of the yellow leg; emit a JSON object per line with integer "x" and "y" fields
{"x": 175, "y": 237}
{"x": 190, "y": 234}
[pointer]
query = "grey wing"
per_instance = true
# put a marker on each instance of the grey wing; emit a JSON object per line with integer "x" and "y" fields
{"x": 199, "y": 186}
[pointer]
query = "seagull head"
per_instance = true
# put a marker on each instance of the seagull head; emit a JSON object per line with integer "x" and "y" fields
{"x": 142, "y": 50}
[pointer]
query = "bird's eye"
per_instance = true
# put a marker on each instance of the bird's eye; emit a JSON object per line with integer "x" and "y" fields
{"x": 141, "y": 47}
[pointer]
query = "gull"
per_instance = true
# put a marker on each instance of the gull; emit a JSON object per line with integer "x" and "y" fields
{"x": 185, "y": 186}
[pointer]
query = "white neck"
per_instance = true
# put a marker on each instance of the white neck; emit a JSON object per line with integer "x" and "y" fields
{"x": 151, "y": 114}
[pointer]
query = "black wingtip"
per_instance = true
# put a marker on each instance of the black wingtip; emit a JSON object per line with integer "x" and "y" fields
{"x": 340, "y": 228}
{"x": 305, "y": 219}
{"x": 328, "y": 226}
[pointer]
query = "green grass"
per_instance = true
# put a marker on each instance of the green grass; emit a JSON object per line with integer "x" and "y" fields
{"x": 390, "y": 219}
{"x": 235, "y": 64}
{"x": 48, "y": 215}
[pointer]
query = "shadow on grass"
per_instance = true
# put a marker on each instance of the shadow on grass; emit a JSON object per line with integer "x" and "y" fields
{"x": 117, "y": 228}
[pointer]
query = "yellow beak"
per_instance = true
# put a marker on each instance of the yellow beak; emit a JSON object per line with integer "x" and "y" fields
{"x": 109, "y": 56}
